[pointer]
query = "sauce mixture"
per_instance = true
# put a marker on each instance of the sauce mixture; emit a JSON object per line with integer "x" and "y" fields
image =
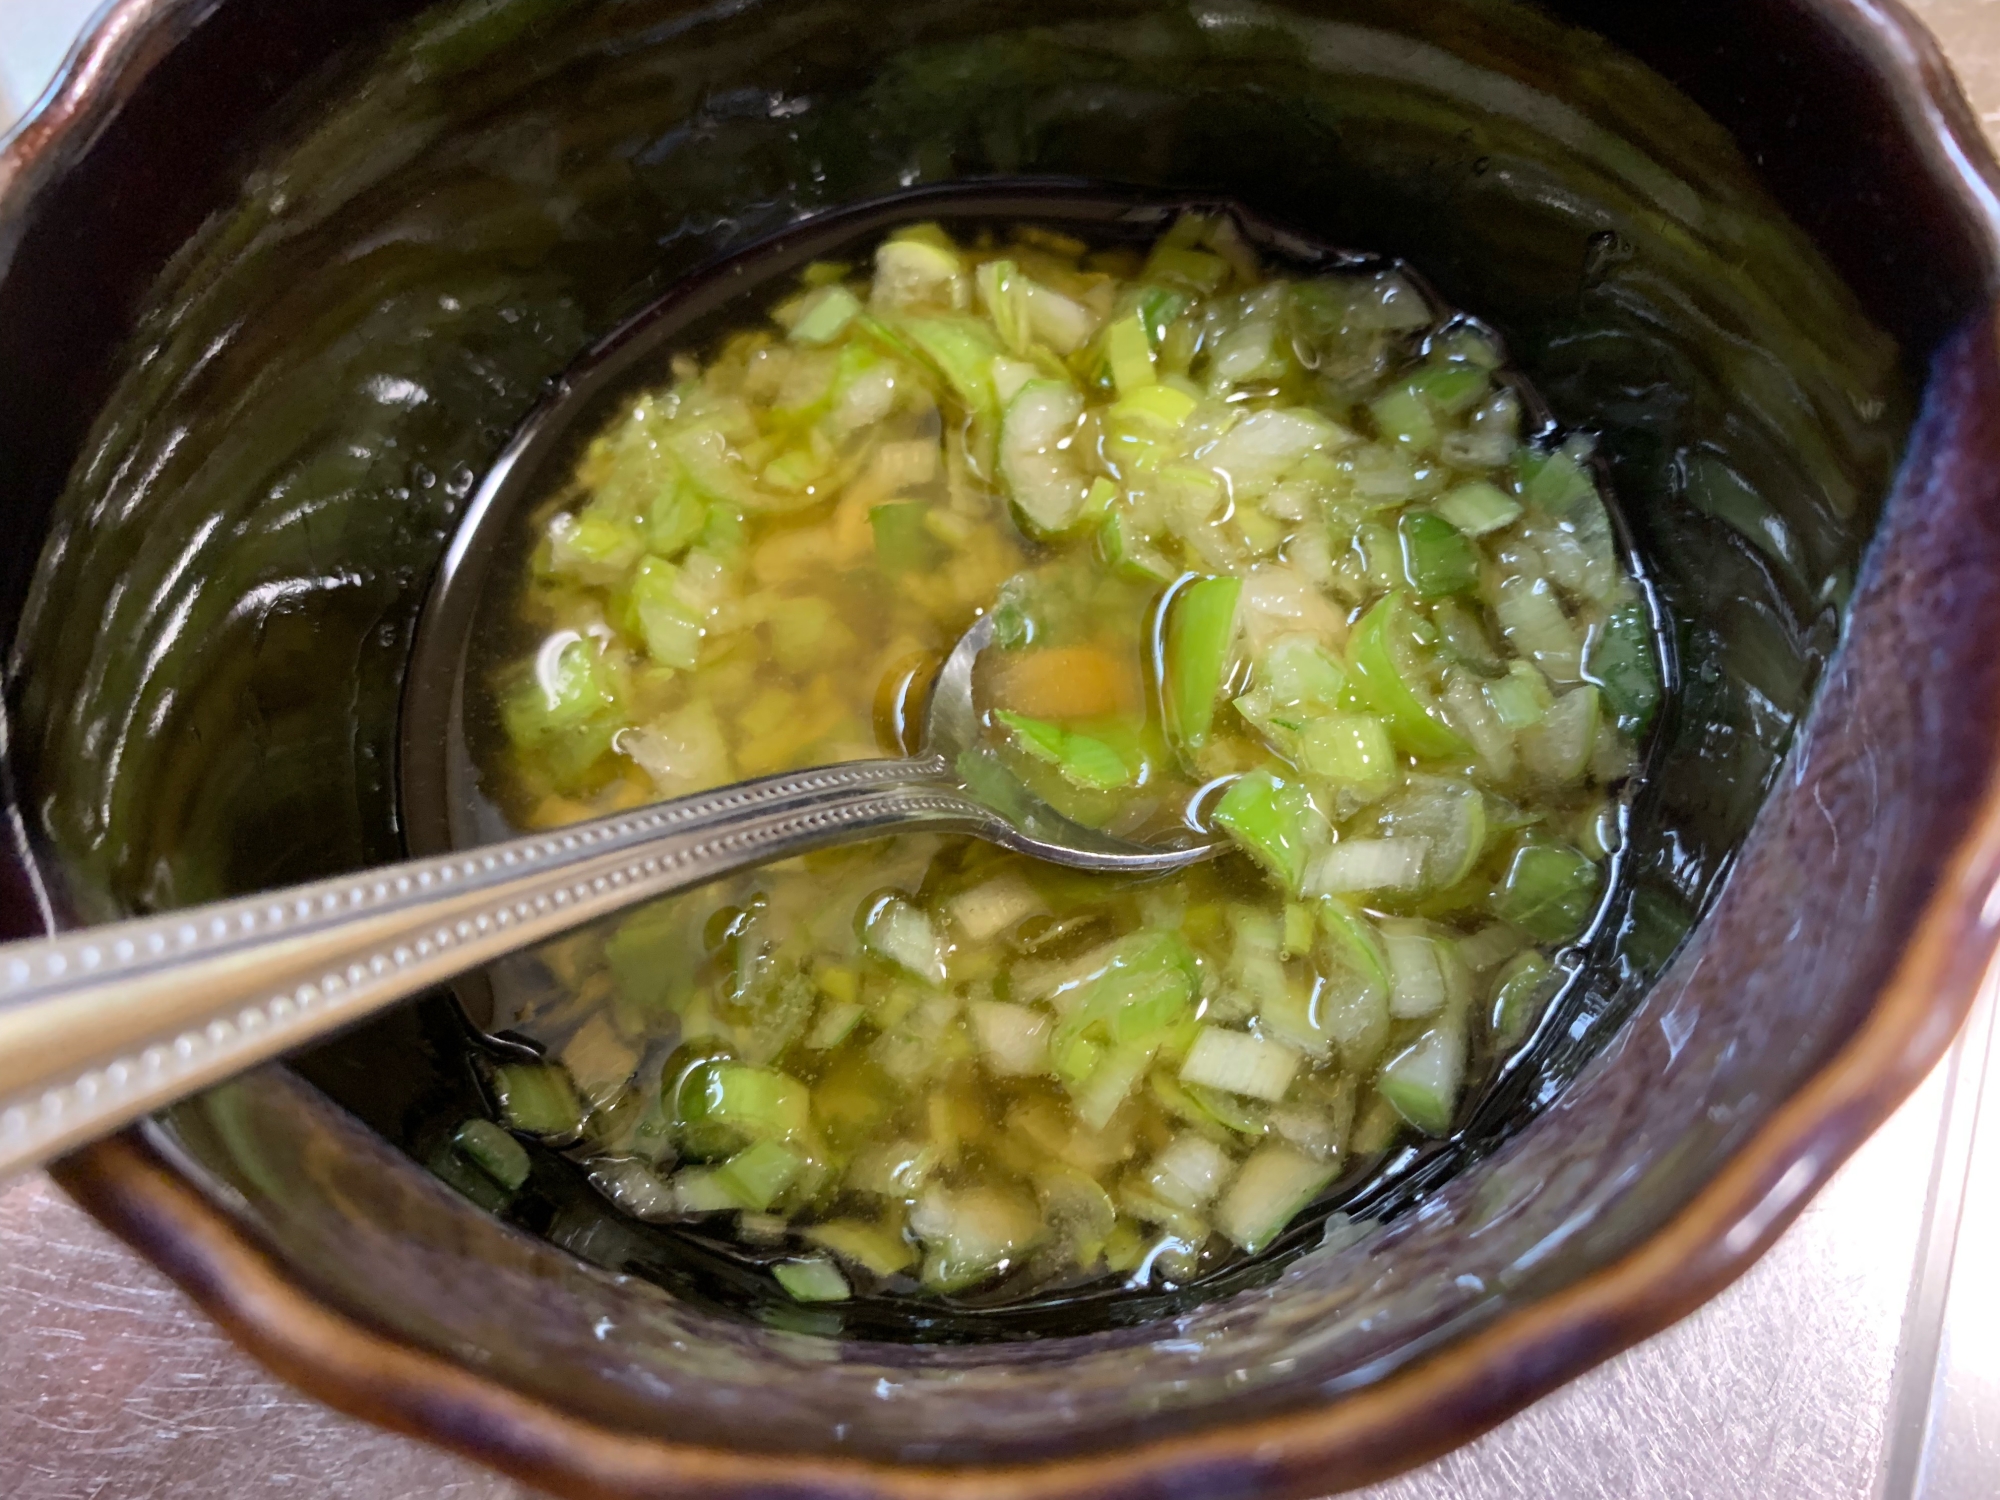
{"x": 1270, "y": 555}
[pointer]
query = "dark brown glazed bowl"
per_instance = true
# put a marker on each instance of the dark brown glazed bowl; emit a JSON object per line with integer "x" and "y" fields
{"x": 1821, "y": 985}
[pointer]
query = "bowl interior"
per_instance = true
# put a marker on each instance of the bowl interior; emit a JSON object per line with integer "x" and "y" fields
{"x": 447, "y": 210}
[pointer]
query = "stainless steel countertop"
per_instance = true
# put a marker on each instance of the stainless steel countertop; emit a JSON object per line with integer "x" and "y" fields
{"x": 1859, "y": 1360}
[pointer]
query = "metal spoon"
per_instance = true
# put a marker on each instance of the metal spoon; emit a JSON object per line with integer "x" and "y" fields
{"x": 103, "y": 1025}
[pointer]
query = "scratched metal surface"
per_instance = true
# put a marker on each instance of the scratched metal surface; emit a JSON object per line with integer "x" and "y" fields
{"x": 1850, "y": 1362}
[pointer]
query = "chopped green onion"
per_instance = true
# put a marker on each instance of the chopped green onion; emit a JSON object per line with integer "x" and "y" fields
{"x": 743, "y": 1102}
{"x": 1294, "y": 671}
{"x": 1015, "y": 1038}
{"x": 1437, "y": 558}
{"x": 1472, "y": 715}
{"x": 1237, "y": 1063}
{"x": 1004, "y": 291}
{"x": 697, "y": 1190}
{"x": 1403, "y": 417}
{"x": 1558, "y": 748}
{"x": 591, "y": 547}
{"x": 1253, "y": 454}
{"x": 1136, "y": 988}
{"x": 1269, "y": 1190}
{"x": 1158, "y": 307}
{"x": 1621, "y": 661}
{"x": 1519, "y": 992}
{"x": 1045, "y": 479}
{"x": 1192, "y": 268}
{"x": 1009, "y": 375}
{"x": 713, "y": 467}
{"x": 494, "y": 1152}
{"x": 1521, "y": 697}
{"x": 1189, "y": 1171}
{"x": 1491, "y": 945}
{"x": 1062, "y": 323}
{"x": 1422, "y": 1081}
{"x": 758, "y": 1175}
{"x": 1110, "y": 1082}
{"x": 813, "y": 1280}
{"x": 1160, "y": 406}
{"x": 1274, "y": 821}
{"x": 1351, "y": 750}
{"x": 1452, "y": 389}
{"x": 1461, "y": 628}
{"x": 673, "y": 521}
{"x": 899, "y": 932}
{"x": 1238, "y": 1113}
{"x": 826, "y": 316}
{"x": 962, "y": 350}
{"x": 1076, "y": 1058}
{"x": 1448, "y": 816}
{"x": 1298, "y": 929}
{"x": 1549, "y": 891}
{"x": 598, "y": 1061}
{"x": 1534, "y": 623}
{"x": 451, "y": 1166}
{"x": 672, "y": 631}
{"x": 987, "y": 910}
{"x": 1479, "y": 507}
{"x": 1127, "y": 553}
{"x": 1380, "y": 682}
{"x": 1356, "y": 866}
{"x": 970, "y": 1235}
{"x": 1352, "y": 944}
{"x": 1416, "y": 972}
{"x": 835, "y": 1020}
{"x": 1355, "y": 1014}
{"x": 1554, "y": 482}
{"x": 1201, "y": 635}
{"x": 1130, "y": 354}
{"x": 537, "y": 1099}
{"x": 1082, "y": 760}
{"x": 574, "y": 683}
{"x": 722, "y": 534}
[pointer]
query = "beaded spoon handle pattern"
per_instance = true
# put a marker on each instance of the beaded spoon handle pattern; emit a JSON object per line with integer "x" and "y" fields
{"x": 102, "y": 1025}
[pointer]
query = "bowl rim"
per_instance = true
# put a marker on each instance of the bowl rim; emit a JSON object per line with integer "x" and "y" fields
{"x": 1435, "y": 1403}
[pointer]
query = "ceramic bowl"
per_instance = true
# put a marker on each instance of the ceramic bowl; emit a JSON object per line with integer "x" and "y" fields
{"x": 277, "y": 276}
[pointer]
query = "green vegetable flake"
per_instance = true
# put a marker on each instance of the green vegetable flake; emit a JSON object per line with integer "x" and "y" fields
{"x": 813, "y": 1280}
{"x": 494, "y": 1152}
{"x": 1622, "y": 662}
{"x": 1201, "y": 634}
{"x": 1274, "y": 821}
{"x": 1351, "y": 749}
{"x": 1381, "y": 681}
{"x": 1082, "y": 760}
{"x": 537, "y": 1099}
{"x": 827, "y": 316}
{"x": 1549, "y": 891}
{"x": 1437, "y": 558}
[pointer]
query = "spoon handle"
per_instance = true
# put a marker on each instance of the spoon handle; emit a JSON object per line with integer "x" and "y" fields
{"x": 105, "y": 1024}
